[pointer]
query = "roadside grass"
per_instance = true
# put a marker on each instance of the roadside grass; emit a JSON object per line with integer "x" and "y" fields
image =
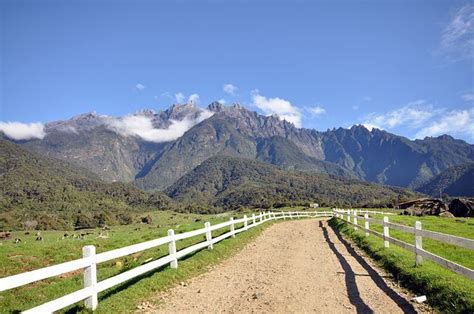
{"x": 446, "y": 291}
{"x": 461, "y": 227}
{"x": 31, "y": 254}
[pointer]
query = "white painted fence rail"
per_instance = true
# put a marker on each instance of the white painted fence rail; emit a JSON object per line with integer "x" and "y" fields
{"x": 90, "y": 259}
{"x": 417, "y": 231}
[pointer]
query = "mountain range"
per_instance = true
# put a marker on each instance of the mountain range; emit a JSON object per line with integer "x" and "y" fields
{"x": 153, "y": 150}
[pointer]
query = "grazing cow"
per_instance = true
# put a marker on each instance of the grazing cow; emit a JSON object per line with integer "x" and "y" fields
{"x": 102, "y": 236}
{"x": 39, "y": 238}
{"x": 17, "y": 240}
{"x": 5, "y": 235}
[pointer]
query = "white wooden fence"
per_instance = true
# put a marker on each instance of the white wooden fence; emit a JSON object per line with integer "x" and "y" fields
{"x": 352, "y": 217}
{"x": 90, "y": 259}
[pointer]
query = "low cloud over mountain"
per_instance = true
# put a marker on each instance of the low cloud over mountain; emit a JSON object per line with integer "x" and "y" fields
{"x": 142, "y": 126}
{"x": 22, "y": 131}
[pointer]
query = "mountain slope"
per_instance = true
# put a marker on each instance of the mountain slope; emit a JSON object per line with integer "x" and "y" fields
{"x": 378, "y": 156}
{"x": 454, "y": 181}
{"x": 235, "y": 131}
{"x": 282, "y": 152}
{"x": 232, "y": 182}
{"x": 51, "y": 192}
{"x": 111, "y": 156}
{"x": 178, "y": 139}
{"x": 108, "y": 146}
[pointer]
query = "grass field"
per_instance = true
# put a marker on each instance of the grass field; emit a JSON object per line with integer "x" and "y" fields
{"x": 31, "y": 254}
{"x": 461, "y": 227}
{"x": 445, "y": 290}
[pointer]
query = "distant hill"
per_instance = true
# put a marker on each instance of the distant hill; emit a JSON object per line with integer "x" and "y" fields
{"x": 52, "y": 193}
{"x": 454, "y": 181}
{"x": 233, "y": 182}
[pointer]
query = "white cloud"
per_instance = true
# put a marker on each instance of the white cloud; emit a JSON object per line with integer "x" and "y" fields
{"x": 468, "y": 97}
{"x": 455, "y": 122}
{"x": 278, "y": 106}
{"x": 140, "y": 87}
{"x": 411, "y": 115}
{"x": 370, "y": 127}
{"x": 316, "y": 111}
{"x": 222, "y": 101}
{"x": 194, "y": 99}
{"x": 457, "y": 40}
{"x": 229, "y": 89}
{"x": 23, "y": 131}
{"x": 142, "y": 127}
{"x": 179, "y": 97}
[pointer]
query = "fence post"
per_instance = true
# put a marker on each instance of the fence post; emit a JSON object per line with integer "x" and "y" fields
{"x": 253, "y": 219}
{"x": 260, "y": 217}
{"x": 172, "y": 249}
{"x": 349, "y": 215}
{"x": 245, "y": 222}
{"x": 386, "y": 233}
{"x": 207, "y": 225}
{"x": 418, "y": 242}
{"x": 90, "y": 277}
{"x": 232, "y": 227}
{"x": 355, "y": 219}
{"x": 366, "y": 217}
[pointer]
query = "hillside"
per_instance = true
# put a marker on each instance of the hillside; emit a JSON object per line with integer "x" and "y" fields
{"x": 233, "y": 182}
{"x": 454, "y": 181}
{"x": 53, "y": 194}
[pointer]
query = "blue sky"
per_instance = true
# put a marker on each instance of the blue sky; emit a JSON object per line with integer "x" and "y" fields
{"x": 404, "y": 66}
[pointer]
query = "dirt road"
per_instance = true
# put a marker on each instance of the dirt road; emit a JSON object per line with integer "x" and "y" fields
{"x": 294, "y": 266}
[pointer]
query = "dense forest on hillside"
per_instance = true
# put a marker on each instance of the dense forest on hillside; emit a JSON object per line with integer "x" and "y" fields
{"x": 231, "y": 183}
{"x": 47, "y": 193}
{"x": 454, "y": 181}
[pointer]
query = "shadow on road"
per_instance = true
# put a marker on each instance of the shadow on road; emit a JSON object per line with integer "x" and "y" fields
{"x": 352, "y": 289}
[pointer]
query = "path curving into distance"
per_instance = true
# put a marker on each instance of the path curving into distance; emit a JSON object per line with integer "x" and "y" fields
{"x": 294, "y": 266}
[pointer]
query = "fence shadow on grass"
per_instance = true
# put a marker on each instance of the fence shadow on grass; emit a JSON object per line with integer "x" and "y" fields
{"x": 404, "y": 305}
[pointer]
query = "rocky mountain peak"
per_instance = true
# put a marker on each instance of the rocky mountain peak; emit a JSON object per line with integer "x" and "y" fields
{"x": 215, "y": 106}
{"x": 146, "y": 112}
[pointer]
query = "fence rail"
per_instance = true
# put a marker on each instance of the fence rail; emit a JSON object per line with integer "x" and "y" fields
{"x": 419, "y": 234}
{"x": 90, "y": 259}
